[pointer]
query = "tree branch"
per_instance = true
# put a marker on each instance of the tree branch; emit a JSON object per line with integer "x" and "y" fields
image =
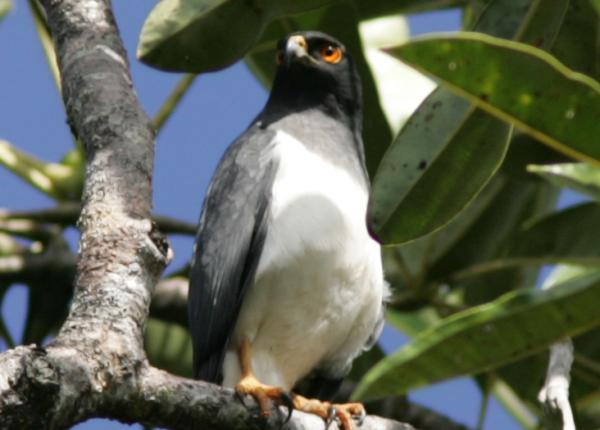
{"x": 66, "y": 214}
{"x": 96, "y": 366}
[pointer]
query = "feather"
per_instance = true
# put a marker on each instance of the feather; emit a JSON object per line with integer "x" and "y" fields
{"x": 228, "y": 247}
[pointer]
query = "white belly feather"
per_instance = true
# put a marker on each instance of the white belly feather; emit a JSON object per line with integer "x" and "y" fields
{"x": 319, "y": 285}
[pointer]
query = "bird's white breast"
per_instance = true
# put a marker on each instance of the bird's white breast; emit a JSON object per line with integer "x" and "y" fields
{"x": 316, "y": 205}
{"x": 319, "y": 284}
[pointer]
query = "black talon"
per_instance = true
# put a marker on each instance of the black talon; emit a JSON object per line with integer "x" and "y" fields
{"x": 240, "y": 397}
{"x": 286, "y": 400}
{"x": 360, "y": 418}
{"x": 331, "y": 414}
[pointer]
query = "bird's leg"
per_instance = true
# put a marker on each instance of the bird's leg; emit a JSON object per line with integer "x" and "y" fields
{"x": 328, "y": 411}
{"x": 250, "y": 385}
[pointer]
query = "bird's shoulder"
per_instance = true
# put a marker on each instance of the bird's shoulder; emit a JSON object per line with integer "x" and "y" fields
{"x": 251, "y": 147}
{"x": 244, "y": 164}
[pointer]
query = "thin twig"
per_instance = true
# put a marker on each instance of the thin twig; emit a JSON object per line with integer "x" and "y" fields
{"x": 66, "y": 214}
{"x": 168, "y": 107}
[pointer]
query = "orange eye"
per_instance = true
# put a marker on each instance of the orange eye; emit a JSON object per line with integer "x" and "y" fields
{"x": 331, "y": 54}
{"x": 279, "y": 57}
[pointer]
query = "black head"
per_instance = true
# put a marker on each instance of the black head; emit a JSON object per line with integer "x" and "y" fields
{"x": 314, "y": 70}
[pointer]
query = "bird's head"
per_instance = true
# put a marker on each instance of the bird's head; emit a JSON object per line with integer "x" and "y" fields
{"x": 315, "y": 70}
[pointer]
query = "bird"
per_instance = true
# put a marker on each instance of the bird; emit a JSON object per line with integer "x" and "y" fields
{"x": 286, "y": 283}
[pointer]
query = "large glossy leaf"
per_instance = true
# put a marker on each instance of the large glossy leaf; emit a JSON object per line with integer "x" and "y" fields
{"x": 419, "y": 255}
{"x": 341, "y": 21}
{"x": 480, "y": 232}
{"x": 199, "y": 35}
{"x": 487, "y": 336}
{"x": 515, "y": 204}
{"x": 581, "y": 177}
{"x": 410, "y": 200}
{"x": 577, "y": 43}
{"x": 570, "y": 236}
{"x": 527, "y": 376}
{"x": 448, "y": 150}
{"x": 517, "y": 83}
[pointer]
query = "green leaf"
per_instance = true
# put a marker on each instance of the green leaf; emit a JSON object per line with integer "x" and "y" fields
{"x": 486, "y": 238}
{"x": 578, "y": 44}
{"x": 421, "y": 188}
{"x": 341, "y": 21}
{"x": 412, "y": 323}
{"x": 542, "y": 24}
{"x": 585, "y": 380}
{"x": 596, "y": 4}
{"x": 526, "y": 376}
{"x": 45, "y": 38}
{"x": 5, "y": 7}
{"x": 196, "y": 36}
{"x": 581, "y": 177}
{"x": 479, "y": 233}
{"x": 419, "y": 255}
{"x": 61, "y": 181}
{"x": 420, "y": 184}
{"x": 168, "y": 346}
{"x": 8, "y": 247}
{"x": 570, "y": 236}
{"x": 487, "y": 336}
{"x": 514, "y": 405}
{"x": 516, "y": 204}
{"x": 517, "y": 83}
{"x": 525, "y": 150}
{"x": 530, "y": 21}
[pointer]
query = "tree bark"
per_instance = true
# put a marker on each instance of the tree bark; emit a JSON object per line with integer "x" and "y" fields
{"x": 96, "y": 366}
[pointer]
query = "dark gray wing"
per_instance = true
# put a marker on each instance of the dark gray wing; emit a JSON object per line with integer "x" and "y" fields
{"x": 228, "y": 247}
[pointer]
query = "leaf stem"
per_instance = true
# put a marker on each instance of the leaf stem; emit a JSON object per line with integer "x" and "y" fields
{"x": 5, "y": 333}
{"x": 513, "y": 404}
{"x": 484, "y": 403}
{"x": 41, "y": 27}
{"x": 168, "y": 107}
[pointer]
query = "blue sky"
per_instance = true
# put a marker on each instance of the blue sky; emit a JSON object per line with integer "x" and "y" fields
{"x": 216, "y": 110}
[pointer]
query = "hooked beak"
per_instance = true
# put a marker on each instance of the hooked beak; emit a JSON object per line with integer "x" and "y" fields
{"x": 295, "y": 48}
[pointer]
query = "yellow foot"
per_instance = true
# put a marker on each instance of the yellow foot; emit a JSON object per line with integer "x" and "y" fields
{"x": 262, "y": 393}
{"x": 329, "y": 411}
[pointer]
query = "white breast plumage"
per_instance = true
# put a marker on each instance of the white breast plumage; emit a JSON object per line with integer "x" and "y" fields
{"x": 319, "y": 284}
{"x": 315, "y": 204}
